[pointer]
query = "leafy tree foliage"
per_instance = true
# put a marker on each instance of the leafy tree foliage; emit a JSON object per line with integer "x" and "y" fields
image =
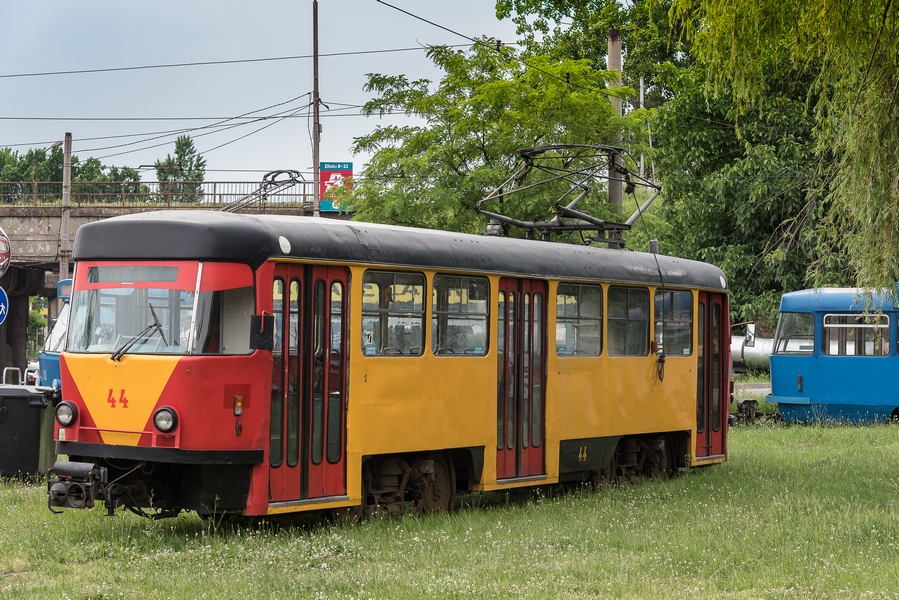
{"x": 490, "y": 103}
{"x": 37, "y": 164}
{"x": 740, "y": 188}
{"x": 46, "y": 165}
{"x": 180, "y": 176}
{"x": 854, "y": 49}
{"x": 580, "y": 29}
{"x": 27, "y": 171}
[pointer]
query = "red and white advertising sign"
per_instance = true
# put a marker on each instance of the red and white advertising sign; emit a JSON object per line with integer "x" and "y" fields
{"x": 4, "y": 252}
{"x": 332, "y": 175}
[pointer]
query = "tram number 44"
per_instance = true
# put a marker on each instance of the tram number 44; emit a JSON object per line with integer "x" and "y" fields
{"x": 582, "y": 454}
{"x": 121, "y": 400}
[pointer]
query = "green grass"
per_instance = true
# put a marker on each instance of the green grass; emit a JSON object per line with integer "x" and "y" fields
{"x": 753, "y": 376}
{"x": 797, "y": 512}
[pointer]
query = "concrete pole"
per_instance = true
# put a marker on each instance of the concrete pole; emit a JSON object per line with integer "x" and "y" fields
{"x": 64, "y": 247}
{"x": 316, "y": 125}
{"x": 642, "y": 170}
{"x": 614, "y": 64}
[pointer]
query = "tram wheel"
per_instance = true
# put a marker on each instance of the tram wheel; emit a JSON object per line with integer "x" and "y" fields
{"x": 608, "y": 476}
{"x": 665, "y": 465}
{"x": 440, "y": 495}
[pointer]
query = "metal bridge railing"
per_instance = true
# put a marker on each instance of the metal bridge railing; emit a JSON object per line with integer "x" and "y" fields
{"x": 213, "y": 195}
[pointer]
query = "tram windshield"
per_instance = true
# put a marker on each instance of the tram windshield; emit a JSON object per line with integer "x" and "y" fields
{"x": 57, "y": 337}
{"x": 170, "y": 307}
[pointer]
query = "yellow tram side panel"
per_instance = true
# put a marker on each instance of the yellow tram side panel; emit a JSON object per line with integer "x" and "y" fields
{"x": 407, "y": 404}
{"x": 416, "y": 404}
{"x": 605, "y": 396}
{"x": 611, "y": 396}
{"x": 589, "y": 397}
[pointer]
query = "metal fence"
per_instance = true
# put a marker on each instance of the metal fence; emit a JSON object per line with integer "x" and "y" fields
{"x": 177, "y": 194}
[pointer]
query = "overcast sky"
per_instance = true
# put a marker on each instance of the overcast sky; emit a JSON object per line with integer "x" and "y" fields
{"x": 131, "y": 117}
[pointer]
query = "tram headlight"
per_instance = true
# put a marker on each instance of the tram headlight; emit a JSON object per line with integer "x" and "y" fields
{"x": 66, "y": 413}
{"x": 165, "y": 419}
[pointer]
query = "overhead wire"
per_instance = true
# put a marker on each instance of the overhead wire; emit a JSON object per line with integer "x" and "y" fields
{"x": 221, "y": 124}
{"x": 209, "y": 63}
{"x": 278, "y": 117}
{"x": 528, "y": 65}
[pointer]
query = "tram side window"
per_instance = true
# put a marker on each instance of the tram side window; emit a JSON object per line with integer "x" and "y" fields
{"x": 795, "y": 334}
{"x": 674, "y": 322}
{"x": 393, "y": 313}
{"x": 628, "y": 321}
{"x": 856, "y": 335}
{"x": 223, "y": 321}
{"x": 578, "y": 320}
{"x": 459, "y": 319}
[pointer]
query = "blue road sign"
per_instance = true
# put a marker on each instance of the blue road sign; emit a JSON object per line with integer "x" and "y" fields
{"x": 4, "y": 305}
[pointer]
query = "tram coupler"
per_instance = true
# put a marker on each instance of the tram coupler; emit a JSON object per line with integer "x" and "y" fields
{"x": 78, "y": 485}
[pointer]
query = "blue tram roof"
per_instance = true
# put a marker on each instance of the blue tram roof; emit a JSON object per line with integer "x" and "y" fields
{"x": 833, "y": 299}
{"x": 254, "y": 239}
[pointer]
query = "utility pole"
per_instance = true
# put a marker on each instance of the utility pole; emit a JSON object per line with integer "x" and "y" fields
{"x": 642, "y": 171}
{"x": 316, "y": 124}
{"x": 66, "y": 208}
{"x": 614, "y": 64}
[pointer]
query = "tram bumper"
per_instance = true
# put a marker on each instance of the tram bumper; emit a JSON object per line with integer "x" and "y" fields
{"x": 78, "y": 485}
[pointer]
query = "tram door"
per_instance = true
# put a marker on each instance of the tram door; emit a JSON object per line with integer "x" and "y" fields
{"x": 307, "y": 443}
{"x": 521, "y": 369}
{"x": 712, "y": 390}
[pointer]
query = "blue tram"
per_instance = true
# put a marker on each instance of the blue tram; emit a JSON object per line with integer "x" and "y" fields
{"x": 835, "y": 357}
{"x": 48, "y": 357}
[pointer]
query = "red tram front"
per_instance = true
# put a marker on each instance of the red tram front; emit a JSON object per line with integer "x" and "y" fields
{"x": 164, "y": 388}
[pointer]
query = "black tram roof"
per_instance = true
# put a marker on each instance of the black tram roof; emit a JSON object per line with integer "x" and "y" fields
{"x": 253, "y": 239}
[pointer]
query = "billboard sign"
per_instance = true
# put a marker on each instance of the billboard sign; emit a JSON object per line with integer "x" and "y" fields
{"x": 332, "y": 174}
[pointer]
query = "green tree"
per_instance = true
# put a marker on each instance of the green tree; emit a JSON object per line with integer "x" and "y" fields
{"x": 37, "y": 324}
{"x": 580, "y": 29}
{"x": 180, "y": 176}
{"x": 854, "y": 49}
{"x": 39, "y": 171}
{"x": 738, "y": 188}
{"x": 489, "y": 103}
{"x": 741, "y": 188}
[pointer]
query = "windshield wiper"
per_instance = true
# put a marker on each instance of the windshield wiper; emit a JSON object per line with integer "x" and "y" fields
{"x": 158, "y": 326}
{"x": 144, "y": 334}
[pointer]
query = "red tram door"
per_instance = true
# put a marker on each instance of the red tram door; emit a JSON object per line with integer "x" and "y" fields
{"x": 521, "y": 368}
{"x": 307, "y": 441}
{"x": 712, "y": 390}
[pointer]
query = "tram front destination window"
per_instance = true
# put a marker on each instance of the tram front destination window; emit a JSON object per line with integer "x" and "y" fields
{"x": 122, "y": 308}
{"x": 795, "y": 334}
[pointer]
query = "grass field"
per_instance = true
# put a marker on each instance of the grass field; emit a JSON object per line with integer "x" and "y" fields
{"x": 797, "y": 512}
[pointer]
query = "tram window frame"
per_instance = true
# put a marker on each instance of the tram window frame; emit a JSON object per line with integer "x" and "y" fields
{"x": 842, "y": 329}
{"x": 460, "y": 328}
{"x": 336, "y": 373}
{"x": 383, "y": 319}
{"x": 579, "y": 316}
{"x": 795, "y": 334}
{"x": 223, "y": 321}
{"x": 279, "y": 354}
{"x": 628, "y": 334}
{"x": 673, "y": 323}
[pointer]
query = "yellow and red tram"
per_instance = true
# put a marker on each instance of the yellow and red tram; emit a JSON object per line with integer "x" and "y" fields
{"x": 258, "y": 365}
